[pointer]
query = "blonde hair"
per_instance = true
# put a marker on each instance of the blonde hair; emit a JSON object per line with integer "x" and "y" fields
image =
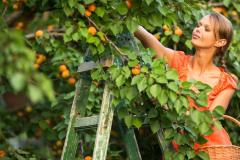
{"x": 223, "y": 30}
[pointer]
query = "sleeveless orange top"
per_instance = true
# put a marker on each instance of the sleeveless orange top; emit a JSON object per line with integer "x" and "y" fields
{"x": 219, "y": 136}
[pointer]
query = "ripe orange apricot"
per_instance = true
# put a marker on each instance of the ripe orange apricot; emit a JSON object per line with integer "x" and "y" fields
{"x": 4, "y": 1}
{"x": 129, "y": 3}
{"x": 2, "y": 153}
{"x": 62, "y": 67}
{"x": 59, "y": 143}
{"x": 178, "y": 31}
{"x": 28, "y": 109}
{"x": 88, "y": 158}
{"x": 166, "y": 28}
{"x": 88, "y": 13}
{"x": 65, "y": 74}
{"x": 38, "y": 33}
{"x": 92, "y": 7}
{"x": 50, "y": 27}
{"x": 92, "y": 30}
{"x": 16, "y": 6}
{"x": 71, "y": 81}
{"x": 136, "y": 70}
{"x": 19, "y": 25}
{"x": 157, "y": 36}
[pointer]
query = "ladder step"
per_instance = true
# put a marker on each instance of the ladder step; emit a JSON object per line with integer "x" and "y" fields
{"x": 81, "y": 122}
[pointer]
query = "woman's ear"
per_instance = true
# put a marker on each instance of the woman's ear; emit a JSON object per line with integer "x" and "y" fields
{"x": 220, "y": 43}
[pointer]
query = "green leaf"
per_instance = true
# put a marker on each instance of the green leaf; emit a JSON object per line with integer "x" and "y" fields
{"x": 203, "y": 155}
{"x": 172, "y": 96}
{"x": 131, "y": 92}
{"x": 172, "y": 75}
{"x": 178, "y": 105}
{"x": 122, "y": 8}
{"x": 153, "y": 113}
{"x": 142, "y": 84}
{"x": 88, "y": 1}
{"x": 136, "y": 79}
{"x": 128, "y": 121}
{"x": 72, "y": 3}
{"x": 175, "y": 38}
{"x": 81, "y": 9}
{"x": 204, "y": 128}
{"x": 137, "y": 122}
{"x": 184, "y": 101}
{"x": 133, "y": 63}
{"x": 18, "y": 81}
{"x": 218, "y": 124}
{"x": 191, "y": 154}
{"x": 155, "y": 90}
{"x": 34, "y": 93}
{"x": 173, "y": 86}
{"x": 132, "y": 24}
{"x": 126, "y": 72}
{"x": 120, "y": 80}
{"x": 218, "y": 112}
{"x": 148, "y": 2}
{"x": 100, "y": 11}
{"x": 202, "y": 99}
{"x": 163, "y": 96}
{"x": 162, "y": 79}
{"x": 196, "y": 116}
{"x": 155, "y": 125}
{"x": 122, "y": 112}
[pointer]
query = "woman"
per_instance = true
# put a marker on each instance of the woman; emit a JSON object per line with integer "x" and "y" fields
{"x": 211, "y": 37}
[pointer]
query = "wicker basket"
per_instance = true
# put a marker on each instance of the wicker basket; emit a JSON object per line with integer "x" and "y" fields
{"x": 224, "y": 152}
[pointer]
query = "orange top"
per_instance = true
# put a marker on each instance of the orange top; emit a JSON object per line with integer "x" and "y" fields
{"x": 180, "y": 63}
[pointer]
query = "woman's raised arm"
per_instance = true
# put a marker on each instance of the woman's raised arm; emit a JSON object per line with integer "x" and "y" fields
{"x": 149, "y": 41}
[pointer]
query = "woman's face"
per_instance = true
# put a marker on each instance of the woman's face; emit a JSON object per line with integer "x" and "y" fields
{"x": 203, "y": 35}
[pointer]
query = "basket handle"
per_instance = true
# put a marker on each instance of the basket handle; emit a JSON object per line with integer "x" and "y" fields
{"x": 231, "y": 119}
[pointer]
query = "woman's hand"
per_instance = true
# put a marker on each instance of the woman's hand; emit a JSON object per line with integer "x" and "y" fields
{"x": 149, "y": 41}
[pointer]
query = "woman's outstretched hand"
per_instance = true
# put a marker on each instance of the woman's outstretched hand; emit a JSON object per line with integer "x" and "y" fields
{"x": 149, "y": 41}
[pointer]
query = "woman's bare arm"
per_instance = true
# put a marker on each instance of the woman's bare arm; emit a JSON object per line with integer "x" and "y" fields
{"x": 149, "y": 41}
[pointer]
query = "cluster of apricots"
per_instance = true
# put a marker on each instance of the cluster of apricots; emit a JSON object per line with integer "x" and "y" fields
{"x": 129, "y": 3}
{"x": 65, "y": 73}
{"x": 16, "y": 5}
{"x": 221, "y": 10}
{"x": 2, "y": 153}
{"x": 136, "y": 70}
{"x": 40, "y": 58}
{"x": 90, "y": 8}
{"x": 57, "y": 147}
{"x": 178, "y": 31}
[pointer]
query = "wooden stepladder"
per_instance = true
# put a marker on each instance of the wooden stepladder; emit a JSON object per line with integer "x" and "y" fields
{"x": 103, "y": 122}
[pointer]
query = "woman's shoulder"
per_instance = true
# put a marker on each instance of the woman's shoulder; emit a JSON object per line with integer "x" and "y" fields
{"x": 228, "y": 80}
{"x": 179, "y": 59}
